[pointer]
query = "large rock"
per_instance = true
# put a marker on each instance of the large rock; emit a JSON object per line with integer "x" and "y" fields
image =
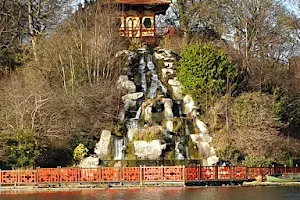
{"x": 159, "y": 55}
{"x": 128, "y": 85}
{"x": 174, "y": 82}
{"x": 102, "y": 147}
{"x": 168, "y": 63}
{"x": 148, "y": 113}
{"x": 176, "y": 88}
{"x": 89, "y": 162}
{"x": 148, "y": 150}
{"x": 213, "y": 160}
{"x": 131, "y": 133}
{"x": 132, "y": 97}
{"x": 169, "y": 126}
{"x": 168, "y": 112}
{"x": 189, "y": 104}
{"x": 201, "y": 126}
{"x": 166, "y": 71}
{"x": 204, "y": 149}
{"x": 201, "y": 138}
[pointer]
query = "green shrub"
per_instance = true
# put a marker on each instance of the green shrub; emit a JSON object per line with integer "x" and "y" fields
{"x": 256, "y": 161}
{"x": 206, "y": 73}
{"x": 79, "y": 152}
{"x": 22, "y": 149}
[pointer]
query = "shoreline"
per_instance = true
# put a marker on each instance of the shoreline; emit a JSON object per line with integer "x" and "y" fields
{"x": 35, "y": 189}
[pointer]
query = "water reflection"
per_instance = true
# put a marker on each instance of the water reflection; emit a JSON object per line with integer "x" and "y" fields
{"x": 222, "y": 193}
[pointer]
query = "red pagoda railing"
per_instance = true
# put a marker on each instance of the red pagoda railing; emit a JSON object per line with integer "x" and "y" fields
{"x": 146, "y": 32}
{"x": 140, "y": 175}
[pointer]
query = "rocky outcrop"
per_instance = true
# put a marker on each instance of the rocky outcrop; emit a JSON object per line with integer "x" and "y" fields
{"x": 170, "y": 126}
{"x": 131, "y": 133}
{"x": 126, "y": 84}
{"x": 189, "y": 104}
{"x": 145, "y": 112}
{"x": 102, "y": 147}
{"x": 132, "y": 97}
{"x": 148, "y": 150}
{"x": 166, "y": 71}
{"x": 176, "y": 88}
{"x": 168, "y": 112}
{"x": 201, "y": 126}
{"x": 203, "y": 141}
{"x": 89, "y": 162}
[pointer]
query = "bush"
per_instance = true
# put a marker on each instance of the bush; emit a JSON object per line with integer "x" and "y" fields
{"x": 22, "y": 149}
{"x": 80, "y": 152}
{"x": 206, "y": 73}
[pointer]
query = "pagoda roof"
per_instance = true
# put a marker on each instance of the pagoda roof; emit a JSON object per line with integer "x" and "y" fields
{"x": 143, "y": 2}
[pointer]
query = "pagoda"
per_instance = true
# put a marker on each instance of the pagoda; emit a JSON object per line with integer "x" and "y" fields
{"x": 137, "y": 17}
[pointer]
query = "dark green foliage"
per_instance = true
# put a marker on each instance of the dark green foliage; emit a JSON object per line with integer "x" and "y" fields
{"x": 22, "y": 149}
{"x": 206, "y": 73}
{"x": 80, "y": 138}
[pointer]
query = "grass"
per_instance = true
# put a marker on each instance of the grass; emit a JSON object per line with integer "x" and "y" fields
{"x": 148, "y": 134}
{"x": 193, "y": 150}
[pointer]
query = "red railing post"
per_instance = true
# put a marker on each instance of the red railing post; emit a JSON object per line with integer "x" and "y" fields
{"x": 18, "y": 177}
{"x": 198, "y": 170}
{"x": 36, "y": 175}
{"x": 0, "y": 177}
{"x": 162, "y": 173}
{"x": 58, "y": 173}
{"x": 183, "y": 175}
{"x": 230, "y": 171}
{"x": 141, "y": 176}
{"x": 100, "y": 174}
{"x": 295, "y": 168}
{"x": 285, "y": 169}
{"x": 216, "y": 172}
{"x": 121, "y": 177}
{"x": 78, "y": 174}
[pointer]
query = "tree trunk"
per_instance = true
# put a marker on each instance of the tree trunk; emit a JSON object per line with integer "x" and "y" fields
{"x": 32, "y": 31}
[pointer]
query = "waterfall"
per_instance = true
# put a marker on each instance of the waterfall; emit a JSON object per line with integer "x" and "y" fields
{"x": 155, "y": 82}
{"x": 186, "y": 127}
{"x": 119, "y": 146}
{"x": 131, "y": 123}
{"x": 138, "y": 113}
{"x": 148, "y": 82}
{"x": 179, "y": 108}
{"x": 187, "y": 155}
{"x": 141, "y": 69}
{"x": 178, "y": 155}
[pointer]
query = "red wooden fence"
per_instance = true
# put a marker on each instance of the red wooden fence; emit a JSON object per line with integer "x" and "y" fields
{"x": 137, "y": 174}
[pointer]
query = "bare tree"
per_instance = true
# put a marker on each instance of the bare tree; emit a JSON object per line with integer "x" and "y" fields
{"x": 43, "y": 17}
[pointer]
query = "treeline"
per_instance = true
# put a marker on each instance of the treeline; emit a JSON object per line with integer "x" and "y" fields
{"x": 58, "y": 72}
{"x": 240, "y": 62}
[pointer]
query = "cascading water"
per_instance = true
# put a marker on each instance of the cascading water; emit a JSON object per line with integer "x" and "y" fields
{"x": 119, "y": 147}
{"x": 155, "y": 82}
{"x": 138, "y": 113}
{"x": 148, "y": 81}
{"x": 141, "y": 69}
{"x": 178, "y": 155}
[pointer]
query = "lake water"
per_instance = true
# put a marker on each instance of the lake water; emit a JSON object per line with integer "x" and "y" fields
{"x": 220, "y": 193}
